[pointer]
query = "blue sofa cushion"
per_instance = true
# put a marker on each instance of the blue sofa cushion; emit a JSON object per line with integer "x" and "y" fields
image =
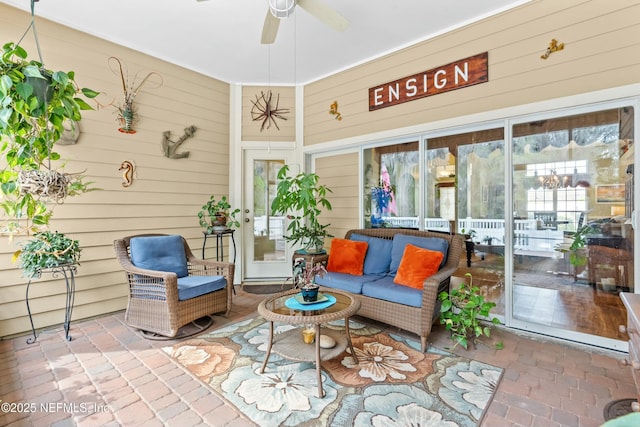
{"x": 346, "y": 282}
{"x": 385, "y": 289}
{"x": 159, "y": 253}
{"x": 194, "y": 286}
{"x": 401, "y": 240}
{"x": 378, "y": 256}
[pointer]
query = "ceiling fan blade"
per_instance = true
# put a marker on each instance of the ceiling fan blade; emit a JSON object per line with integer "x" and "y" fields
{"x": 324, "y": 13}
{"x": 270, "y": 28}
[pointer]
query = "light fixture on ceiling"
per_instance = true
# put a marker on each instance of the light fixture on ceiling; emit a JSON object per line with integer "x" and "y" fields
{"x": 282, "y": 8}
{"x": 553, "y": 181}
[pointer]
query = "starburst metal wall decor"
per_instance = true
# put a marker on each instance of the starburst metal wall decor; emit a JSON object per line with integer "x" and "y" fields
{"x": 263, "y": 109}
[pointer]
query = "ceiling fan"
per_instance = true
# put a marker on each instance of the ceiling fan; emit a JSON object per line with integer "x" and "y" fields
{"x": 282, "y": 9}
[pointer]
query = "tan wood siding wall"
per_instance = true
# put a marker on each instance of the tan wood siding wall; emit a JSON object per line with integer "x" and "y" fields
{"x": 601, "y": 51}
{"x": 251, "y": 129}
{"x": 340, "y": 174}
{"x": 166, "y": 194}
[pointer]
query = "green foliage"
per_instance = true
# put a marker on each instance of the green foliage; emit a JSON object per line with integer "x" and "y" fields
{"x": 577, "y": 256}
{"x": 209, "y": 210}
{"x": 460, "y": 312}
{"x": 302, "y": 199}
{"x": 46, "y": 250}
{"x": 30, "y": 124}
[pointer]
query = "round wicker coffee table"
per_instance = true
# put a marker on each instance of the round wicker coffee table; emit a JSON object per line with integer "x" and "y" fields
{"x": 290, "y": 344}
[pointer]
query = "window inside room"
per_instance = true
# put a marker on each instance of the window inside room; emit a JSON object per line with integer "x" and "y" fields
{"x": 391, "y": 185}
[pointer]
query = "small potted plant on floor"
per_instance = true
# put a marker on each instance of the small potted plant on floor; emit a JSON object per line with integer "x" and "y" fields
{"x": 217, "y": 215}
{"x": 302, "y": 199}
{"x": 47, "y": 250}
{"x": 461, "y": 310}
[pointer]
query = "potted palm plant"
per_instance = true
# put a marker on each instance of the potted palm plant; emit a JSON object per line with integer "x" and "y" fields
{"x": 34, "y": 105}
{"x": 217, "y": 215}
{"x": 302, "y": 199}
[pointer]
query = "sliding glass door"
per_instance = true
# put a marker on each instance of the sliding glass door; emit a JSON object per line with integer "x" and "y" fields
{"x": 545, "y": 205}
{"x": 572, "y": 233}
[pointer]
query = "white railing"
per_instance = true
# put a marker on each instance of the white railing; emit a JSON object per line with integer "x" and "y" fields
{"x": 435, "y": 224}
{"x": 528, "y": 240}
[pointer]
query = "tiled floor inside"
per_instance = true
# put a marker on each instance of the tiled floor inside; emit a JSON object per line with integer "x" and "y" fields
{"x": 109, "y": 376}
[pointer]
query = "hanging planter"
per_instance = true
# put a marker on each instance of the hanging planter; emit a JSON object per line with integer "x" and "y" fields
{"x": 34, "y": 104}
{"x": 49, "y": 185}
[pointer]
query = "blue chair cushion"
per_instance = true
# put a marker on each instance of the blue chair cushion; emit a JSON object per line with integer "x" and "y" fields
{"x": 385, "y": 289}
{"x": 378, "y": 256}
{"x": 345, "y": 282}
{"x": 159, "y": 253}
{"x": 194, "y": 286}
{"x": 401, "y": 240}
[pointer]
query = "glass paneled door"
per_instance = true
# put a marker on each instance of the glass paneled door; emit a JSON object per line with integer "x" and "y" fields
{"x": 266, "y": 253}
{"x": 573, "y": 239}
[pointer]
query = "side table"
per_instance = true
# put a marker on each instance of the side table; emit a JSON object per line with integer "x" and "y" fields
{"x": 67, "y": 271}
{"x": 290, "y": 344}
{"x": 220, "y": 244}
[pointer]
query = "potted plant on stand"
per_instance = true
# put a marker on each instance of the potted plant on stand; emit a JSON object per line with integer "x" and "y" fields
{"x": 575, "y": 247}
{"x": 56, "y": 254}
{"x": 302, "y": 199}
{"x": 216, "y": 215}
{"x": 461, "y": 312}
{"x": 31, "y": 121}
{"x": 47, "y": 250}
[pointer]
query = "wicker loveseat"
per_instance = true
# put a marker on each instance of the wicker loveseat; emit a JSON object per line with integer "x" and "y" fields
{"x": 376, "y": 292}
{"x": 178, "y": 290}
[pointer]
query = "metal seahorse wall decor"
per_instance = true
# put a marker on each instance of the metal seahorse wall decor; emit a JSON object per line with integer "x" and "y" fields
{"x": 129, "y": 168}
{"x": 170, "y": 147}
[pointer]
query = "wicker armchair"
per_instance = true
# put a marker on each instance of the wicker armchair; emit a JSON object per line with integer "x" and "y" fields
{"x": 157, "y": 303}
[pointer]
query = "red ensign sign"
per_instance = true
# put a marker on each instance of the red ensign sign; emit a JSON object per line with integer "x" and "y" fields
{"x": 465, "y": 72}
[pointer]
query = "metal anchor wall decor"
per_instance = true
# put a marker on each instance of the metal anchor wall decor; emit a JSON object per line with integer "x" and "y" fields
{"x": 169, "y": 147}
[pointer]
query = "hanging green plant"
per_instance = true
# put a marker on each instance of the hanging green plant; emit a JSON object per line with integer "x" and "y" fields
{"x": 34, "y": 103}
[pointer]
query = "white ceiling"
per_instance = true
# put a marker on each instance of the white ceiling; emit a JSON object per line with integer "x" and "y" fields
{"x": 221, "y": 38}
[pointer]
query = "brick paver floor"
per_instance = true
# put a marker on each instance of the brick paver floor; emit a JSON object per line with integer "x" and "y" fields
{"x": 109, "y": 376}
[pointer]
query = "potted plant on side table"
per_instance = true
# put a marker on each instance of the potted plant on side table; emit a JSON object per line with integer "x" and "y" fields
{"x": 217, "y": 215}
{"x": 302, "y": 199}
{"x": 304, "y": 278}
{"x": 576, "y": 248}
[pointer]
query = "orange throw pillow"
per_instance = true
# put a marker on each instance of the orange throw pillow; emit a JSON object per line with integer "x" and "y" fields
{"x": 347, "y": 256}
{"x": 416, "y": 265}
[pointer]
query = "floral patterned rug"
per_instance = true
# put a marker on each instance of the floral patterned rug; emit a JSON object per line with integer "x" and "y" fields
{"x": 393, "y": 385}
